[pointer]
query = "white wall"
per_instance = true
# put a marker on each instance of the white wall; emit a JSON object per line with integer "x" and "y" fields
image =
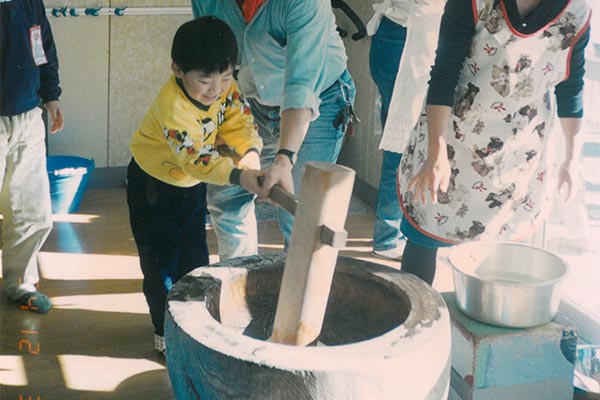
{"x": 111, "y": 68}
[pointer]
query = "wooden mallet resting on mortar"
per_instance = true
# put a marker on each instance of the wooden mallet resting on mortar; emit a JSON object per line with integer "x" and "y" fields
{"x": 318, "y": 233}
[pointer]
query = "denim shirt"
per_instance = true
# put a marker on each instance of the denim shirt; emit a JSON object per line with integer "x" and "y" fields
{"x": 290, "y": 51}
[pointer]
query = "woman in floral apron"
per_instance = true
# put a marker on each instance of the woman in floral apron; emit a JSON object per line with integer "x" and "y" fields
{"x": 478, "y": 165}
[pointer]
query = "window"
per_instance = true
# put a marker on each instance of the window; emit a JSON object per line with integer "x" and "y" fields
{"x": 573, "y": 232}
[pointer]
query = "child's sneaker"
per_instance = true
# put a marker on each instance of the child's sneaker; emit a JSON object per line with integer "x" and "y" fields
{"x": 159, "y": 344}
{"x": 395, "y": 253}
{"x": 36, "y": 302}
{"x": 391, "y": 254}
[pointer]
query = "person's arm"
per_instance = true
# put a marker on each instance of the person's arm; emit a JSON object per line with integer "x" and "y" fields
{"x": 309, "y": 23}
{"x": 56, "y": 115}
{"x": 454, "y": 41}
{"x": 435, "y": 172}
{"x": 569, "y": 93}
{"x": 175, "y": 120}
{"x": 569, "y": 99}
{"x": 294, "y": 124}
{"x": 570, "y": 128}
{"x": 49, "y": 80}
{"x": 249, "y": 180}
{"x": 238, "y": 130}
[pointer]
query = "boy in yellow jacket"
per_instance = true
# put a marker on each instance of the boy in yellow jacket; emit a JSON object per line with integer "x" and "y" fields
{"x": 174, "y": 156}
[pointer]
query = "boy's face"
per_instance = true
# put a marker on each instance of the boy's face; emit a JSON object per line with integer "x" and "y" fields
{"x": 202, "y": 87}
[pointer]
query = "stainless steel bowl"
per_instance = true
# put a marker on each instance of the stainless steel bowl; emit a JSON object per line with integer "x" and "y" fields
{"x": 587, "y": 371}
{"x": 507, "y": 284}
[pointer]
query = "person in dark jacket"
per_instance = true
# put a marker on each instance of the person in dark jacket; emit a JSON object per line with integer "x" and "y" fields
{"x": 28, "y": 78}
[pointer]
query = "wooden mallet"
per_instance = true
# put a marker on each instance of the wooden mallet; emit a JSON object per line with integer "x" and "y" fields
{"x": 318, "y": 233}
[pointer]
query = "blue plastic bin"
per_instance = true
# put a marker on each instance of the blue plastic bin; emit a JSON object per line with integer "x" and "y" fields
{"x": 68, "y": 179}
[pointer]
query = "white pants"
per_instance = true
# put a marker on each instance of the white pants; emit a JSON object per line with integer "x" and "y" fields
{"x": 24, "y": 199}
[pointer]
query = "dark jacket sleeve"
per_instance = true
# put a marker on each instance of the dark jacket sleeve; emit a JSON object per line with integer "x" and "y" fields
{"x": 49, "y": 80}
{"x": 569, "y": 93}
{"x": 456, "y": 34}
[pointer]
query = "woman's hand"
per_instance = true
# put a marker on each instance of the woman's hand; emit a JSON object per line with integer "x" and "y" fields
{"x": 566, "y": 173}
{"x": 433, "y": 175}
{"x": 565, "y": 178}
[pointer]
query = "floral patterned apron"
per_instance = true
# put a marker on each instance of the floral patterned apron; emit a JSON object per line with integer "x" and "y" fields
{"x": 501, "y": 183}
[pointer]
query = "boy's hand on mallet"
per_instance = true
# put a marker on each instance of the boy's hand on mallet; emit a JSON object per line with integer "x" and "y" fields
{"x": 249, "y": 180}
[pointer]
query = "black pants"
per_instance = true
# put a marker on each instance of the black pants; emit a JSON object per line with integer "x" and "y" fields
{"x": 168, "y": 227}
{"x": 419, "y": 261}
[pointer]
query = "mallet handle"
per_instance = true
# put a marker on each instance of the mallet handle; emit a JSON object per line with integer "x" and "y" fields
{"x": 323, "y": 202}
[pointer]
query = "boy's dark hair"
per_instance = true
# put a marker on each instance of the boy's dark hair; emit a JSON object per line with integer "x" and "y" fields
{"x": 205, "y": 44}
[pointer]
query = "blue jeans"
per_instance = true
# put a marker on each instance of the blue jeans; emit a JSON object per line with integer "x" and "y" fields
{"x": 168, "y": 225}
{"x": 384, "y": 58}
{"x": 233, "y": 220}
{"x": 386, "y": 230}
{"x": 230, "y": 206}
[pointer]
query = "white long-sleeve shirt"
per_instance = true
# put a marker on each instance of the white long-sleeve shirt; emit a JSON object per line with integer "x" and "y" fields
{"x": 422, "y": 20}
{"x": 396, "y": 10}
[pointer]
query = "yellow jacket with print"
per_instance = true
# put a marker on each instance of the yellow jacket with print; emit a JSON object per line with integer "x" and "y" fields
{"x": 176, "y": 141}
